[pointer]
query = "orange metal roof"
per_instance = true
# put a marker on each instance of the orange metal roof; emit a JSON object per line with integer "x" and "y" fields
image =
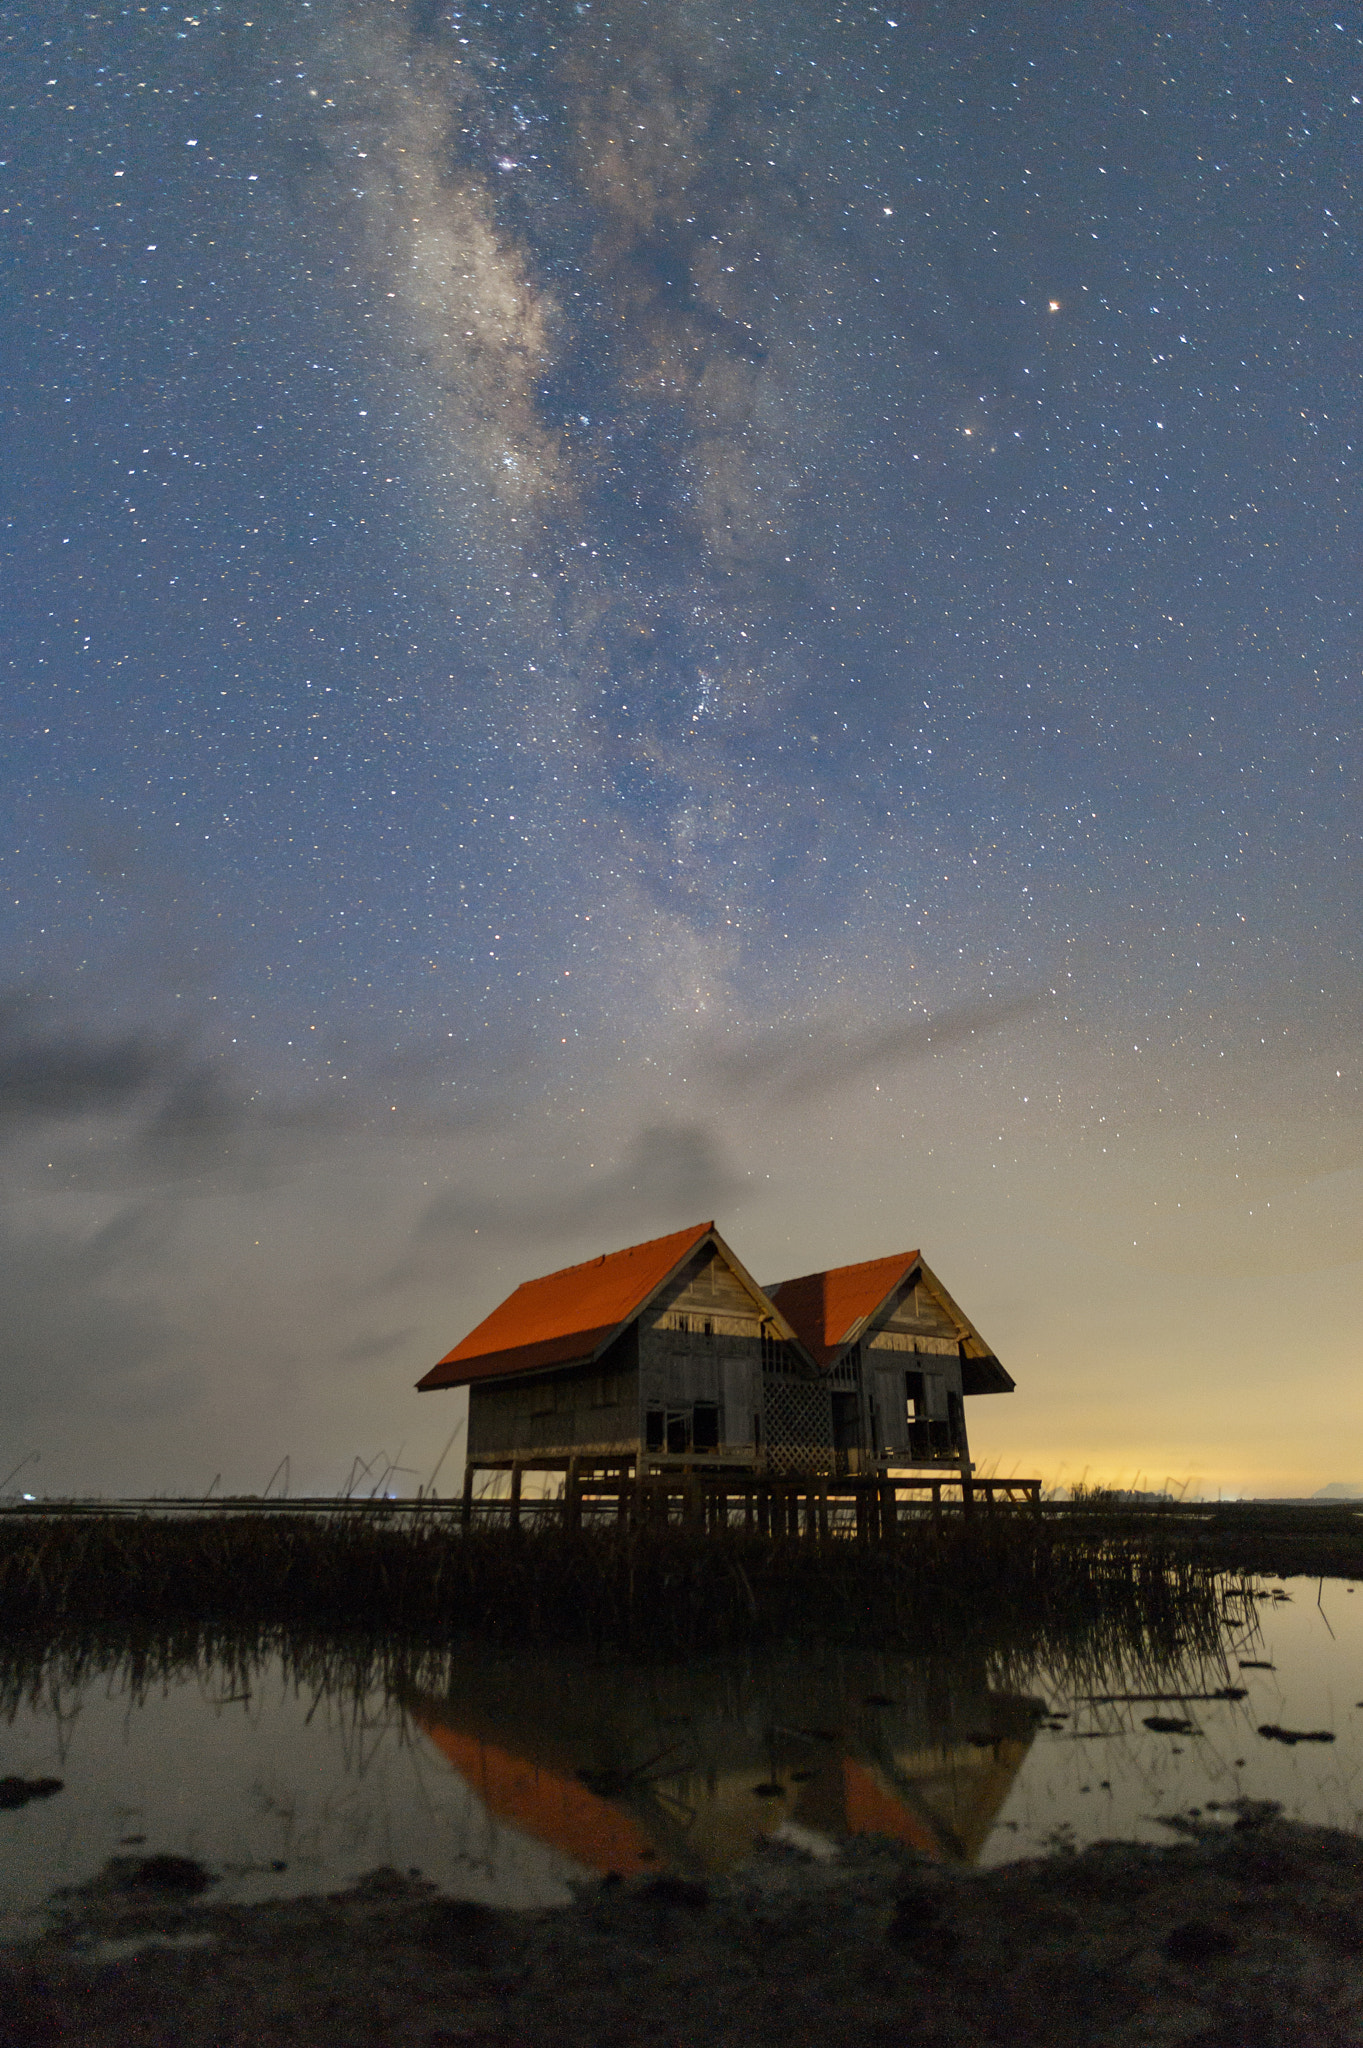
{"x": 567, "y": 1315}
{"x": 826, "y": 1307}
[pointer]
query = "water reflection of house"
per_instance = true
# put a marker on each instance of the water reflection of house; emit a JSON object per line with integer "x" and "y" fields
{"x": 631, "y": 1772}
{"x": 669, "y": 1353}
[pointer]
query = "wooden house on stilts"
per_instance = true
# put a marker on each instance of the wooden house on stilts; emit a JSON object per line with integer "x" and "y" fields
{"x": 668, "y": 1356}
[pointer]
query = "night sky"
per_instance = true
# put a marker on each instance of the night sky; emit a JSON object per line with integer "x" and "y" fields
{"x": 622, "y": 613}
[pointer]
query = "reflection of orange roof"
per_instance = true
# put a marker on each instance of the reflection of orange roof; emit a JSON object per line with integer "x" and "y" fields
{"x": 827, "y": 1307}
{"x": 554, "y": 1809}
{"x": 872, "y": 1811}
{"x": 565, "y": 1316}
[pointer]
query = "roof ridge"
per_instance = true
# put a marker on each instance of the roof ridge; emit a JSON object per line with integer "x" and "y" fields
{"x": 645, "y": 1244}
{"x": 854, "y": 1266}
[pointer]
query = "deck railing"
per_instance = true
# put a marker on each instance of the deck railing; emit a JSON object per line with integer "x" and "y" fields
{"x": 868, "y": 1507}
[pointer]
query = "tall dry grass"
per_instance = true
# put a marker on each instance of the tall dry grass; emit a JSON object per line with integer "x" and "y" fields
{"x": 1001, "y": 1583}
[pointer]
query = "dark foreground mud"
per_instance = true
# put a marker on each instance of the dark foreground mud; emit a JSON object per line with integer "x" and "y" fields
{"x": 1249, "y": 1935}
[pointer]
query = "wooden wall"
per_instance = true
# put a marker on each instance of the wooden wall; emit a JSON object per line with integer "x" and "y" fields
{"x": 700, "y": 1341}
{"x": 915, "y": 1323}
{"x": 707, "y": 1290}
{"x": 580, "y": 1408}
{"x": 914, "y": 1335}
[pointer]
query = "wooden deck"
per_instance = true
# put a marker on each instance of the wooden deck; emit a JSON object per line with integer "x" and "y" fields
{"x": 867, "y": 1507}
{"x": 870, "y": 1508}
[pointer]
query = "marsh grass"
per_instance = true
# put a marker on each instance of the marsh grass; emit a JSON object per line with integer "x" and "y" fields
{"x": 1011, "y": 1587}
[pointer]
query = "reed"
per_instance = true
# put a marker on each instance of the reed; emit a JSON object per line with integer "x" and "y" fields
{"x": 1008, "y": 1585}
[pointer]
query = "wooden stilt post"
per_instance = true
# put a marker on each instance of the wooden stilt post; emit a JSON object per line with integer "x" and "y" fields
{"x": 823, "y": 1510}
{"x": 967, "y": 1490}
{"x": 466, "y": 1514}
{"x": 889, "y": 1511}
{"x": 514, "y": 1511}
{"x": 572, "y": 1498}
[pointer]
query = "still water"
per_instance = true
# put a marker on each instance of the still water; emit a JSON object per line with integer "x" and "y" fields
{"x": 513, "y": 1779}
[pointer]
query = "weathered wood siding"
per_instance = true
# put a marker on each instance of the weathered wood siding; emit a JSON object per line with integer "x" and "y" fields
{"x": 707, "y": 1291}
{"x": 576, "y": 1409}
{"x": 915, "y": 1323}
{"x": 913, "y": 1335}
{"x": 700, "y": 1342}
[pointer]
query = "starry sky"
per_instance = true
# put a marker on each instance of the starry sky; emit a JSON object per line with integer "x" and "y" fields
{"x": 619, "y": 612}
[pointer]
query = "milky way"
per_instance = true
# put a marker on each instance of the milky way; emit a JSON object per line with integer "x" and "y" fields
{"x": 620, "y": 609}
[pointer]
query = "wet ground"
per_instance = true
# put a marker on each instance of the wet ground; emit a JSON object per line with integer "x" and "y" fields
{"x": 1248, "y": 1934}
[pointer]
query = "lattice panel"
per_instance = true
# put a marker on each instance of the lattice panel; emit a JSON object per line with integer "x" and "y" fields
{"x": 798, "y": 1424}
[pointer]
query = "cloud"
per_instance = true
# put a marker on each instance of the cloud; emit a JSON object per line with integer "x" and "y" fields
{"x": 365, "y": 1349}
{"x": 135, "y": 1108}
{"x": 149, "y": 1107}
{"x": 796, "y": 1065}
{"x": 81, "y": 1339}
{"x": 71, "y": 1072}
{"x": 672, "y": 1174}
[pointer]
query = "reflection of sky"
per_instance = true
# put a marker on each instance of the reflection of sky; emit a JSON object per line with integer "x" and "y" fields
{"x": 548, "y": 549}
{"x": 243, "y": 1787}
{"x": 331, "y": 1794}
{"x": 1316, "y": 1685}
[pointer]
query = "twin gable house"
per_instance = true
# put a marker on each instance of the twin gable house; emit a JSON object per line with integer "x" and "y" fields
{"x": 669, "y": 1354}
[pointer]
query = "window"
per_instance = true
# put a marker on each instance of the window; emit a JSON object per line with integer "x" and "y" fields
{"x": 774, "y": 1357}
{"x": 846, "y": 1422}
{"x": 919, "y": 1430}
{"x": 705, "y": 1426}
{"x": 653, "y": 1429}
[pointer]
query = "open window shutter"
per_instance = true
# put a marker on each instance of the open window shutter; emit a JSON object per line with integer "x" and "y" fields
{"x": 741, "y": 1400}
{"x": 891, "y": 1410}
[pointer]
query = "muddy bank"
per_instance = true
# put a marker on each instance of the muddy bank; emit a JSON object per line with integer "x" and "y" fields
{"x": 1245, "y": 1934}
